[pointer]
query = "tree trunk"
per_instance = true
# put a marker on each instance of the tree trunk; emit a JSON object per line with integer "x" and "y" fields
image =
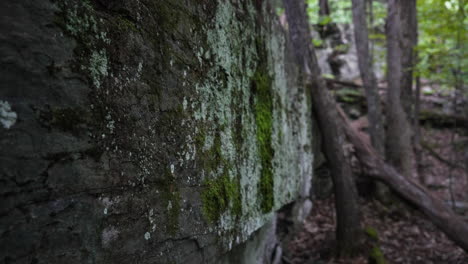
{"x": 324, "y": 8}
{"x": 417, "y": 131}
{"x": 371, "y": 23}
{"x": 436, "y": 210}
{"x": 398, "y": 136}
{"x": 374, "y": 111}
{"x": 347, "y": 211}
{"x": 374, "y": 108}
{"x": 408, "y": 42}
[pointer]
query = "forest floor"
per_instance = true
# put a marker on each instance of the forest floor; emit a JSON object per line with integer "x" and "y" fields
{"x": 404, "y": 234}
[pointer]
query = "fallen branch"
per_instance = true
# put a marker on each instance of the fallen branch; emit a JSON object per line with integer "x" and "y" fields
{"x": 440, "y": 119}
{"x": 342, "y": 83}
{"x": 436, "y": 210}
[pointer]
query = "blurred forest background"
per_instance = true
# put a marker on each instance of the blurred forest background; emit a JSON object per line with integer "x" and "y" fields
{"x": 417, "y": 49}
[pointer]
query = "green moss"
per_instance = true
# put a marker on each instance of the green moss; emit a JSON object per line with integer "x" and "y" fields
{"x": 261, "y": 86}
{"x": 221, "y": 194}
{"x": 371, "y": 232}
{"x": 376, "y": 256}
{"x": 125, "y": 25}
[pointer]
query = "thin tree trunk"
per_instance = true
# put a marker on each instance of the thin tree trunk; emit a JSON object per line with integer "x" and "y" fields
{"x": 408, "y": 42}
{"x": 371, "y": 23}
{"x": 328, "y": 29}
{"x": 374, "y": 108}
{"x": 436, "y": 210}
{"x": 348, "y": 220}
{"x": 324, "y": 8}
{"x": 416, "y": 112}
{"x": 417, "y": 132}
{"x": 398, "y": 136}
{"x": 374, "y": 111}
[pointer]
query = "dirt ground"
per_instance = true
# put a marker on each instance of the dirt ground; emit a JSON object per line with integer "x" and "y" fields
{"x": 404, "y": 234}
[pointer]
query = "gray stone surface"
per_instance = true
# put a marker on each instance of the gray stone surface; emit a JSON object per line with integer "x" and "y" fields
{"x": 147, "y": 131}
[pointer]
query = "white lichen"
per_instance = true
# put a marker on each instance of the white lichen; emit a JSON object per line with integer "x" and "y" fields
{"x": 226, "y": 93}
{"x": 98, "y": 67}
{"x": 7, "y": 115}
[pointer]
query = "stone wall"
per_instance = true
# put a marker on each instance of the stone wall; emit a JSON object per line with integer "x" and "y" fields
{"x": 148, "y": 131}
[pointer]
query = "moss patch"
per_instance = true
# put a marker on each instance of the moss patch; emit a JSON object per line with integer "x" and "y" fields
{"x": 261, "y": 86}
{"x": 372, "y": 233}
{"x": 124, "y": 24}
{"x": 376, "y": 256}
{"x": 222, "y": 192}
{"x": 220, "y": 195}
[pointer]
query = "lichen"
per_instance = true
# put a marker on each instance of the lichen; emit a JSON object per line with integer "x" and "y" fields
{"x": 98, "y": 67}
{"x": 252, "y": 124}
{"x": 78, "y": 19}
{"x": 7, "y": 116}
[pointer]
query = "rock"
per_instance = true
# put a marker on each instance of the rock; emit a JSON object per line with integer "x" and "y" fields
{"x": 148, "y": 131}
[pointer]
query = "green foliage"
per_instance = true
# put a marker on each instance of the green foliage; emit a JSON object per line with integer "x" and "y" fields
{"x": 328, "y": 76}
{"x": 325, "y": 20}
{"x": 371, "y": 232}
{"x": 342, "y": 48}
{"x": 349, "y": 95}
{"x": 317, "y": 42}
{"x": 280, "y": 11}
{"x": 379, "y": 14}
{"x": 376, "y": 256}
{"x": 340, "y": 12}
{"x": 443, "y": 40}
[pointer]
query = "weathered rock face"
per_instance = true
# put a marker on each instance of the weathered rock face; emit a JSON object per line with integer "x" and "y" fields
{"x": 147, "y": 131}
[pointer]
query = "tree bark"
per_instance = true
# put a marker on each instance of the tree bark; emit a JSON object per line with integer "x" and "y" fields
{"x": 417, "y": 131}
{"x": 408, "y": 42}
{"x": 374, "y": 109}
{"x": 324, "y": 8}
{"x": 348, "y": 219}
{"x": 436, "y": 210}
{"x": 398, "y": 136}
